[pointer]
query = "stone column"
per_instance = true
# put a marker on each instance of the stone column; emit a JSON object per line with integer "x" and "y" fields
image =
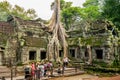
{"x": 90, "y": 54}
{"x": 38, "y": 54}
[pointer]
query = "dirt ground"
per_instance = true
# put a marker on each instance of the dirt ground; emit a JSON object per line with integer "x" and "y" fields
{"x": 86, "y": 77}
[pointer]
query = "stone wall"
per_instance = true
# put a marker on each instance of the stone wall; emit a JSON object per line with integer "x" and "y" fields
{"x": 26, "y": 53}
{"x": 100, "y": 35}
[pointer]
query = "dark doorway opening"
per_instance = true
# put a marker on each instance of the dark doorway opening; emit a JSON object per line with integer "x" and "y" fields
{"x": 86, "y": 54}
{"x": 99, "y": 54}
{"x": 32, "y": 55}
{"x": 72, "y": 52}
{"x": 60, "y": 53}
{"x": 43, "y": 55}
{"x": 1, "y": 57}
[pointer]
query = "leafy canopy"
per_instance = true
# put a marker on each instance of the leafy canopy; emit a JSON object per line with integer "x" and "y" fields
{"x": 73, "y": 15}
{"x": 91, "y": 10}
{"x": 111, "y": 11}
{"x": 7, "y": 9}
{"x": 69, "y": 14}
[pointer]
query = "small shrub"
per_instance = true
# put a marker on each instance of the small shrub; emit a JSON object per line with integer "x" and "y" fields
{"x": 100, "y": 63}
{"x": 116, "y": 63}
{"x": 20, "y": 64}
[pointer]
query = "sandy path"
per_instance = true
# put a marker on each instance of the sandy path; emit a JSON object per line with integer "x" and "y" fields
{"x": 86, "y": 77}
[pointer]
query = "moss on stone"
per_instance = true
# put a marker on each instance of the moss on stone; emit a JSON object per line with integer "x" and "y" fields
{"x": 35, "y": 42}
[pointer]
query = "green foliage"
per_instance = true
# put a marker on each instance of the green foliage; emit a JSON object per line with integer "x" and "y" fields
{"x": 73, "y": 15}
{"x": 20, "y": 12}
{"x": 90, "y": 13}
{"x": 102, "y": 9}
{"x": 89, "y": 3}
{"x": 64, "y": 4}
{"x": 20, "y": 64}
{"x": 112, "y": 13}
{"x": 103, "y": 70}
{"x": 87, "y": 41}
{"x": 3, "y": 39}
{"x": 91, "y": 10}
{"x": 116, "y": 63}
{"x": 91, "y": 40}
{"x": 7, "y": 9}
{"x": 100, "y": 63}
{"x": 70, "y": 16}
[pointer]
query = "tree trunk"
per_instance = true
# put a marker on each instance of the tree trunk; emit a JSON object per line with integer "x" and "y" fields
{"x": 58, "y": 35}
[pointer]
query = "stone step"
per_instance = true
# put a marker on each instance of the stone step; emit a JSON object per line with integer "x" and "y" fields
{"x": 67, "y": 69}
{"x": 69, "y": 72}
{"x": 3, "y": 67}
{"x": 5, "y": 74}
{"x": 5, "y": 71}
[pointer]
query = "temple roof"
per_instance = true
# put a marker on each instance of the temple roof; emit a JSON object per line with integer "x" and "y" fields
{"x": 6, "y": 28}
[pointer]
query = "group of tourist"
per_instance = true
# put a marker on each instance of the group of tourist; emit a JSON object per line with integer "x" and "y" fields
{"x": 38, "y": 70}
{"x": 35, "y": 71}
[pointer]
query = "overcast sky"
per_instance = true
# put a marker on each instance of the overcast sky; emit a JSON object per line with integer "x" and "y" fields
{"x": 42, "y": 7}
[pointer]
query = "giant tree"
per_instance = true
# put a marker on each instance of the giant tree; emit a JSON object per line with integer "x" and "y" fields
{"x": 58, "y": 38}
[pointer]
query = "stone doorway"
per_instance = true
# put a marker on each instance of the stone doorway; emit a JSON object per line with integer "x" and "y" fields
{"x": 1, "y": 57}
{"x": 72, "y": 52}
{"x": 43, "y": 55}
{"x": 99, "y": 53}
{"x": 86, "y": 53}
{"x": 32, "y": 55}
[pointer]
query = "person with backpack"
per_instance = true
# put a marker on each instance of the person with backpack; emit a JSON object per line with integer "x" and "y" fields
{"x": 65, "y": 62}
{"x": 27, "y": 70}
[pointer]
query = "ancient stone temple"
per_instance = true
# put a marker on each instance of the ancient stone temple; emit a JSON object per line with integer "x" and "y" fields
{"x": 27, "y": 40}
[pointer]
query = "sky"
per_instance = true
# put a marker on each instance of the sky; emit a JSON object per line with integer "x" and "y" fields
{"x": 42, "y": 7}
